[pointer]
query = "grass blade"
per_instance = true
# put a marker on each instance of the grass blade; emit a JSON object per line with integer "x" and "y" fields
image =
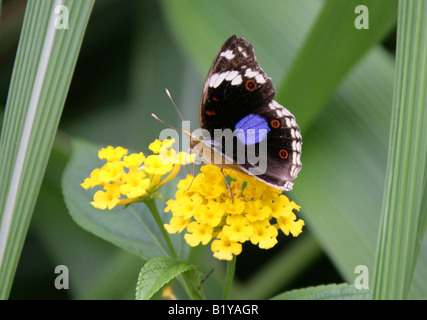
{"x": 402, "y": 224}
{"x": 44, "y": 64}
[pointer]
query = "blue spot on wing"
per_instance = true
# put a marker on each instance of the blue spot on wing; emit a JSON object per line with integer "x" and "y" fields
{"x": 251, "y": 129}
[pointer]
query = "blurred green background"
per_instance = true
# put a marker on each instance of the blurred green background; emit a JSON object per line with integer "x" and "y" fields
{"x": 134, "y": 49}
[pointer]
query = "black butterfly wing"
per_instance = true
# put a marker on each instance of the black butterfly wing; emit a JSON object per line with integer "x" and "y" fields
{"x": 226, "y": 97}
{"x": 239, "y": 95}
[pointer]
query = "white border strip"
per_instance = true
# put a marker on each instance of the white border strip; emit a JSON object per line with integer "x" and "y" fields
{"x": 26, "y": 134}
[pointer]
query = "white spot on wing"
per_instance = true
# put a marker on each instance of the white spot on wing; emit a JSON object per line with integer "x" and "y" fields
{"x": 294, "y": 145}
{"x": 237, "y": 80}
{"x": 217, "y": 78}
{"x": 213, "y": 79}
{"x": 299, "y": 146}
{"x": 227, "y": 54}
{"x": 288, "y": 185}
{"x": 250, "y": 73}
{"x": 220, "y": 78}
{"x": 205, "y": 87}
{"x": 293, "y": 133}
{"x": 260, "y": 79}
{"x": 242, "y": 52}
{"x": 231, "y": 75}
{"x": 294, "y": 123}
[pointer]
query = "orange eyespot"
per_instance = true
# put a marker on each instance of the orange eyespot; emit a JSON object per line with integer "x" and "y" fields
{"x": 235, "y": 62}
{"x": 250, "y": 85}
{"x": 275, "y": 123}
{"x": 283, "y": 154}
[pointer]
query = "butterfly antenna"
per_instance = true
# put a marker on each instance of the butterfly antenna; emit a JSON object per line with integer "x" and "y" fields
{"x": 165, "y": 123}
{"x": 177, "y": 110}
{"x": 173, "y": 102}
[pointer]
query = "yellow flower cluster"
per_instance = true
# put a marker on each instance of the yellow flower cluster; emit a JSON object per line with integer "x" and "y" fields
{"x": 204, "y": 207}
{"x": 127, "y": 179}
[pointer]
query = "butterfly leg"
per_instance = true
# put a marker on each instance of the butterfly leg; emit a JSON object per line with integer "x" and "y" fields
{"x": 193, "y": 174}
{"x": 228, "y": 186}
{"x": 189, "y": 171}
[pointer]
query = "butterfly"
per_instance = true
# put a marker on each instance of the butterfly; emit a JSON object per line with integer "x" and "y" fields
{"x": 238, "y": 98}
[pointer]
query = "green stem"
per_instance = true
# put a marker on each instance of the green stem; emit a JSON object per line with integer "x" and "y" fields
{"x": 231, "y": 267}
{"x": 151, "y": 204}
{"x": 189, "y": 286}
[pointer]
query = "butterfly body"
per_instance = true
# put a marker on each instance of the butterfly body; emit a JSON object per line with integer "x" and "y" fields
{"x": 238, "y": 98}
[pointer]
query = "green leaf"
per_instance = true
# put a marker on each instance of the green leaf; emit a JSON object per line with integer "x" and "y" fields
{"x": 264, "y": 283}
{"x": 333, "y": 46}
{"x": 132, "y": 228}
{"x": 91, "y": 259}
{"x": 341, "y": 184}
{"x": 156, "y": 273}
{"x": 43, "y": 68}
{"x": 403, "y": 211}
{"x": 342, "y": 291}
